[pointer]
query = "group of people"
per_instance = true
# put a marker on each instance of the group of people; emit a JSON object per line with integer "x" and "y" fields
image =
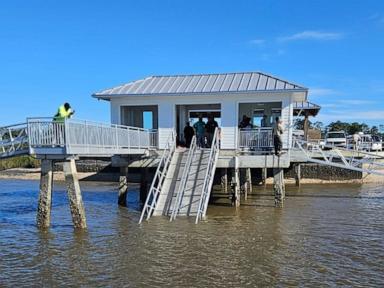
{"x": 277, "y": 130}
{"x": 204, "y": 132}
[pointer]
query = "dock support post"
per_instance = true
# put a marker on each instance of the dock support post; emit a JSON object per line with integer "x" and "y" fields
{"x": 123, "y": 186}
{"x": 224, "y": 180}
{"x": 248, "y": 175}
{"x": 144, "y": 185}
{"x": 297, "y": 174}
{"x": 264, "y": 175}
{"x": 237, "y": 181}
{"x": 278, "y": 186}
{"x": 43, "y": 218}
{"x": 74, "y": 194}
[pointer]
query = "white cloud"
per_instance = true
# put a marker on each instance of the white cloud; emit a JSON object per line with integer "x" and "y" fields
{"x": 351, "y": 115}
{"x": 257, "y": 42}
{"x": 355, "y": 102}
{"x": 322, "y": 92}
{"x": 312, "y": 35}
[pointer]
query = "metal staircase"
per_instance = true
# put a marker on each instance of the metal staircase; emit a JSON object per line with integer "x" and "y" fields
{"x": 159, "y": 178}
{"x": 208, "y": 180}
{"x": 351, "y": 159}
{"x": 14, "y": 140}
{"x": 183, "y": 182}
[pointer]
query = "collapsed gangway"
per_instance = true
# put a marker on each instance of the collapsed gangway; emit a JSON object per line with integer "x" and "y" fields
{"x": 351, "y": 159}
{"x": 183, "y": 181}
{"x": 43, "y": 136}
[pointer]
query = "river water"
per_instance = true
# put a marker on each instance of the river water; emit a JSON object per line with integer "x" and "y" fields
{"x": 326, "y": 235}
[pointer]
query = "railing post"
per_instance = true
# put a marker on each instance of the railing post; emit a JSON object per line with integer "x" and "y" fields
{"x": 117, "y": 140}
{"x": 138, "y": 132}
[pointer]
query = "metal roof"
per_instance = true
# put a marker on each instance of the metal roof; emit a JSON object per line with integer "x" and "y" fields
{"x": 201, "y": 83}
{"x": 306, "y": 107}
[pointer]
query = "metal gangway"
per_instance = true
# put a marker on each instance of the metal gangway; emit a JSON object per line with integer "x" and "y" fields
{"x": 183, "y": 183}
{"x": 44, "y": 136}
{"x": 14, "y": 140}
{"x": 346, "y": 158}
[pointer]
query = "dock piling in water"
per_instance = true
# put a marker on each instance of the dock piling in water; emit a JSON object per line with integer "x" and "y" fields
{"x": 123, "y": 186}
{"x": 278, "y": 186}
{"x": 43, "y": 217}
{"x": 74, "y": 194}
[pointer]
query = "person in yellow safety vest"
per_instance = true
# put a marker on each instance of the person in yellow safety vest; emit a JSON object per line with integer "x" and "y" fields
{"x": 64, "y": 111}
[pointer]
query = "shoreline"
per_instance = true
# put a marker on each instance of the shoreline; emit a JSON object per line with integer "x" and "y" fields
{"x": 34, "y": 174}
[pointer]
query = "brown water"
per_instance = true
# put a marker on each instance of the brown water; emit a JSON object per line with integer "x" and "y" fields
{"x": 329, "y": 235}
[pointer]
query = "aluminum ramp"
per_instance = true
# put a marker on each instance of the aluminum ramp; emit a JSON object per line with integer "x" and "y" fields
{"x": 14, "y": 140}
{"x": 350, "y": 159}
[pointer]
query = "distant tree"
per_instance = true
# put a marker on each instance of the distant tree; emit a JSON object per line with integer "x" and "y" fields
{"x": 318, "y": 125}
{"x": 374, "y": 130}
{"x": 338, "y": 126}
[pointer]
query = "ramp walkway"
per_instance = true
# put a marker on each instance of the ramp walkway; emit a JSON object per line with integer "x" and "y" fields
{"x": 186, "y": 184}
{"x": 43, "y": 136}
{"x": 356, "y": 160}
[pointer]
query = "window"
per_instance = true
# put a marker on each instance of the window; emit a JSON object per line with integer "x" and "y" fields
{"x": 276, "y": 112}
{"x": 257, "y": 117}
{"x": 147, "y": 119}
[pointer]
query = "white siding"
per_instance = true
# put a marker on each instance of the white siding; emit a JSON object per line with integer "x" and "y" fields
{"x": 115, "y": 113}
{"x": 229, "y": 124}
{"x": 286, "y": 117}
{"x": 166, "y": 122}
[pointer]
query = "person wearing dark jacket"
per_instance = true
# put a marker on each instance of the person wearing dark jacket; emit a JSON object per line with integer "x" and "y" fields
{"x": 210, "y": 129}
{"x": 188, "y": 134}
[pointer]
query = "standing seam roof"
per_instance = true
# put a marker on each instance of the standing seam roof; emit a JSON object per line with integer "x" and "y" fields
{"x": 202, "y": 83}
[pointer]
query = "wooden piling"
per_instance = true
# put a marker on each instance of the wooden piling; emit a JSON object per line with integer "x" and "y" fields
{"x": 278, "y": 186}
{"x": 249, "y": 180}
{"x": 237, "y": 182}
{"x": 43, "y": 217}
{"x": 264, "y": 175}
{"x": 123, "y": 186}
{"x": 143, "y": 185}
{"x": 224, "y": 180}
{"x": 297, "y": 174}
{"x": 74, "y": 194}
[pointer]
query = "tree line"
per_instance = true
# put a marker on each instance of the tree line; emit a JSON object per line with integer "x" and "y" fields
{"x": 349, "y": 128}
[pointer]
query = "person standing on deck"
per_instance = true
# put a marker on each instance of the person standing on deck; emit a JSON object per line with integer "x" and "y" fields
{"x": 210, "y": 128}
{"x": 277, "y": 136}
{"x": 65, "y": 111}
{"x": 188, "y": 134}
{"x": 200, "y": 132}
{"x": 264, "y": 122}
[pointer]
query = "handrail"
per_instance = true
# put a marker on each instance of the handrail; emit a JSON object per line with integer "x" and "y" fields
{"x": 208, "y": 180}
{"x": 89, "y": 137}
{"x": 13, "y": 140}
{"x": 184, "y": 178}
{"x": 353, "y": 161}
{"x": 159, "y": 177}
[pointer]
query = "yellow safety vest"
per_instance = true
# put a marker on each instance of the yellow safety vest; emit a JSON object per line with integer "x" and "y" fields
{"x": 62, "y": 114}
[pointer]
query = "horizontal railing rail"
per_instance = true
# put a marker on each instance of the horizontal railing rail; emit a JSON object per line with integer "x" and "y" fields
{"x": 89, "y": 137}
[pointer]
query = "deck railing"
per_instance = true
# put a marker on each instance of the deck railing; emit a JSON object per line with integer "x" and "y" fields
{"x": 87, "y": 137}
{"x": 255, "y": 138}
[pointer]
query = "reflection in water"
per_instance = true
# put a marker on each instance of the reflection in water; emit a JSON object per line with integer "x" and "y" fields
{"x": 329, "y": 234}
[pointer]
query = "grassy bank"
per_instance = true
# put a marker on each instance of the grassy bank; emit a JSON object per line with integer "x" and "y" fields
{"x": 19, "y": 162}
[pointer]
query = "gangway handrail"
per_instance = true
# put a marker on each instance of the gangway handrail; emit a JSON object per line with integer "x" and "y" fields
{"x": 208, "y": 180}
{"x": 13, "y": 140}
{"x": 183, "y": 181}
{"x": 159, "y": 177}
{"x": 350, "y": 162}
{"x": 339, "y": 148}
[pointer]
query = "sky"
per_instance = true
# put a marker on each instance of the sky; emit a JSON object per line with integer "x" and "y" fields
{"x": 53, "y": 52}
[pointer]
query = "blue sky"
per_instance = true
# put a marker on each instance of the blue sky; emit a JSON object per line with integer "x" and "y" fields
{"x": 57, "y": 51}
